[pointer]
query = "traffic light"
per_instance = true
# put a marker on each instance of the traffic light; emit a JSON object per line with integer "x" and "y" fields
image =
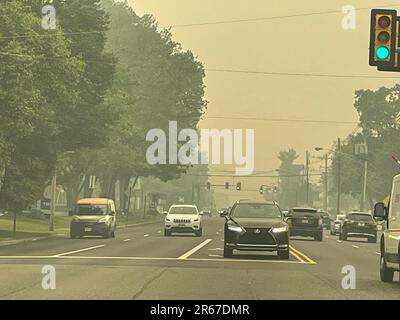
{"x": 208, "y": 185}
{"x": 384, "y": 40}
{"x": 227, "y": 185}
{"x": 238, "y": 186}
{"x": 262, "y": 190}
{"x": 275, "y": 189}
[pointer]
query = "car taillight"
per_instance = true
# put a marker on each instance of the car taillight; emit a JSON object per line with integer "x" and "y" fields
{"x": 348, "y": 221}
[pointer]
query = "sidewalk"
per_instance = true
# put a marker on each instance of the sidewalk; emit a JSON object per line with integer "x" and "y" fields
{"x": 6, "y": 236}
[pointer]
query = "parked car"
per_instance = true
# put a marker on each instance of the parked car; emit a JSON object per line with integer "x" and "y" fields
{"x": 256, "y": 226}
{"x": 306, "y": 222}
{"x": 359, "y": 225}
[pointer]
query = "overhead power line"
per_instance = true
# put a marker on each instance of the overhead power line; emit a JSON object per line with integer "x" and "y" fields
{"x": 314, "y": 75}
{"x": 296, "y": 15}
{"x": 282, "y": 120}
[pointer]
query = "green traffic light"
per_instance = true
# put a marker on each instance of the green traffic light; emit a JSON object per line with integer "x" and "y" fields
{"x": 382, "y": 53}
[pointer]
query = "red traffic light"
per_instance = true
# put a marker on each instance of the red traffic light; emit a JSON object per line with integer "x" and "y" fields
{"x": 384, "y": 22}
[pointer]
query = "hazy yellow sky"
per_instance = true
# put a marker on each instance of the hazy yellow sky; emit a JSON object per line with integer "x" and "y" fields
{"x": 310, "y": 44}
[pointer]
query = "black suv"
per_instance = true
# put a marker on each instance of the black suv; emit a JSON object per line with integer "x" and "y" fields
{"x": 360, "y": 225}
{"x": 305, "y": 222}
{"x": 256, "y": 226}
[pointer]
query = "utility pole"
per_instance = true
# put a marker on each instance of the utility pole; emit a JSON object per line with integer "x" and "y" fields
{"x": 192, "y": 192}
{"x": 364, "y": 193}
{"x": 198, "y": 195}
{"x": 338, "y": 178}
{"x": 326, "y": 184}
{"x": 308, "y": 179}
{"x": 53, "y": 201}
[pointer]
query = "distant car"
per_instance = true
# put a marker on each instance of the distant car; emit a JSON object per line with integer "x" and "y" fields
{"x": 326, "y": 220}
{"x": 359, "y": 225}
{"x": 93, "y": 216}
{"x": 305, "y": 222}
{"x": 206, "y": 212}
{"x": 336, "y": 225}
{"x": 256, "y": 226}
{"x": 183, "y": 219}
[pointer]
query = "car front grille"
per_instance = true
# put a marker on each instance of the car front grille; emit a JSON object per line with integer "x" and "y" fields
{"x": 257, "y": 236}
{"x": 182, "y": 220}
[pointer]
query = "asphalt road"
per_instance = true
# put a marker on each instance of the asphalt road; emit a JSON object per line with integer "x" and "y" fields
{"x": 143, "y": 264}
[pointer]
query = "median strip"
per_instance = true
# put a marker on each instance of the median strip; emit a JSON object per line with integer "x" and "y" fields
{"x": 195, "y": 249}
{"x": 77, "y": 251}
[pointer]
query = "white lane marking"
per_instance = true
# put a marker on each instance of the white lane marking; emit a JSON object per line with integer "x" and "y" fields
{"x": 215, "y": 255}
{"x": 34, "y": 239}
{"x": 215, "y": 249}
{"x": 217, "y": 233}
{"x": 340, "y": 241}
{"x": 145, "y": 258}
{"x": 378, "y": 253}
{"x": 354, "y": 246}
{"x": 146, "y": 235}
{"x": 195, "y": 249}
{"x": 327, "y": 237}
{"x": 159, "y": 231}
{"x": 77, "y": 251}
{"x": 126, "y": 240}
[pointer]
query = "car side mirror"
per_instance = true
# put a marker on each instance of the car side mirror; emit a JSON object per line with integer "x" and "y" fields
{"x": 70, "y": 213}
{"x": 380, "y": 211}
{"x": 223, "y": 214}
{"x": 165, "y": 213}
{"x": 201, "y": 213}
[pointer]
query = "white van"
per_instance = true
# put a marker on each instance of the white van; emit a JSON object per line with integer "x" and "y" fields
{"x": 390, "y": 240}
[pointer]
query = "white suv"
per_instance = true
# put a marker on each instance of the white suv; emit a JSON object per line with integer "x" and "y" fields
{"x": 183, "y": 218}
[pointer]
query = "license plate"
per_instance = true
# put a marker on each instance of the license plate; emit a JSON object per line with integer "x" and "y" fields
{"x": 181, "y": 225}
{"x": 304, "y": 221}
{"x": 361, "y": 224}
{"x": 88, "y": 229}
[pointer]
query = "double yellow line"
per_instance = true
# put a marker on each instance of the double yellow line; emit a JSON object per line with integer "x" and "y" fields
{"x": 301, "y": 256}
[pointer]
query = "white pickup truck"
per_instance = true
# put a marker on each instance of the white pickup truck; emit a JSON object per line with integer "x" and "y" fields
{"x": 390, "y": 240}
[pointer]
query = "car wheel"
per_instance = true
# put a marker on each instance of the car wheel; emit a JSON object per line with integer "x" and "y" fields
{"x": 344, "y": 237}
{"x": 318, "y": 237}
{"x": 228, "y": 253}
{"x": 167, "y": 233}
{"x": 199, "y": 233}
{"x": 72, "y": 235}
{"x": 113, "y": 234}
{"x": 386, "y": 274}
{"x": 283, "y": 254}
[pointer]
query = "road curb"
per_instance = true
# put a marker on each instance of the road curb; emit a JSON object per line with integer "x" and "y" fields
{"x": 12, "y": 242}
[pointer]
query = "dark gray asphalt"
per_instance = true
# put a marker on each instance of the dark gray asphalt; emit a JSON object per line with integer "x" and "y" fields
{"x": 143, "y": 264}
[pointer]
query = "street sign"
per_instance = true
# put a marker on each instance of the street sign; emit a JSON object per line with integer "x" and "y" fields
{"x": 45, "y": 204}
{"x": 92, "y": 182}
{"x": 360, "y": 149}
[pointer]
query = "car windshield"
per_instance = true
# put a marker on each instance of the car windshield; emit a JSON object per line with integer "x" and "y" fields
{"x": 249, "y": 210}
{"x": 91, "y": 209}
{"x": 183, "y": 210}
{"x": 360, "y": 217}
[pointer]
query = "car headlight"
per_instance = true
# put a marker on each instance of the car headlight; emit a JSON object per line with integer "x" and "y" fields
{"x": 105, "y": 219}
{"x": 75, "y": 219}
{"x": 236, "y": 228}
{"x": 168, "y": 219}
{"x": 280, "y": 229}
{"x": 196, "y": 220}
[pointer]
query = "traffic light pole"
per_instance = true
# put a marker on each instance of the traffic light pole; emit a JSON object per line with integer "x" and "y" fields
{"x": 308, "y": 179}
{"x": 364, "y": 193}
{"x": 326, "y": 184}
